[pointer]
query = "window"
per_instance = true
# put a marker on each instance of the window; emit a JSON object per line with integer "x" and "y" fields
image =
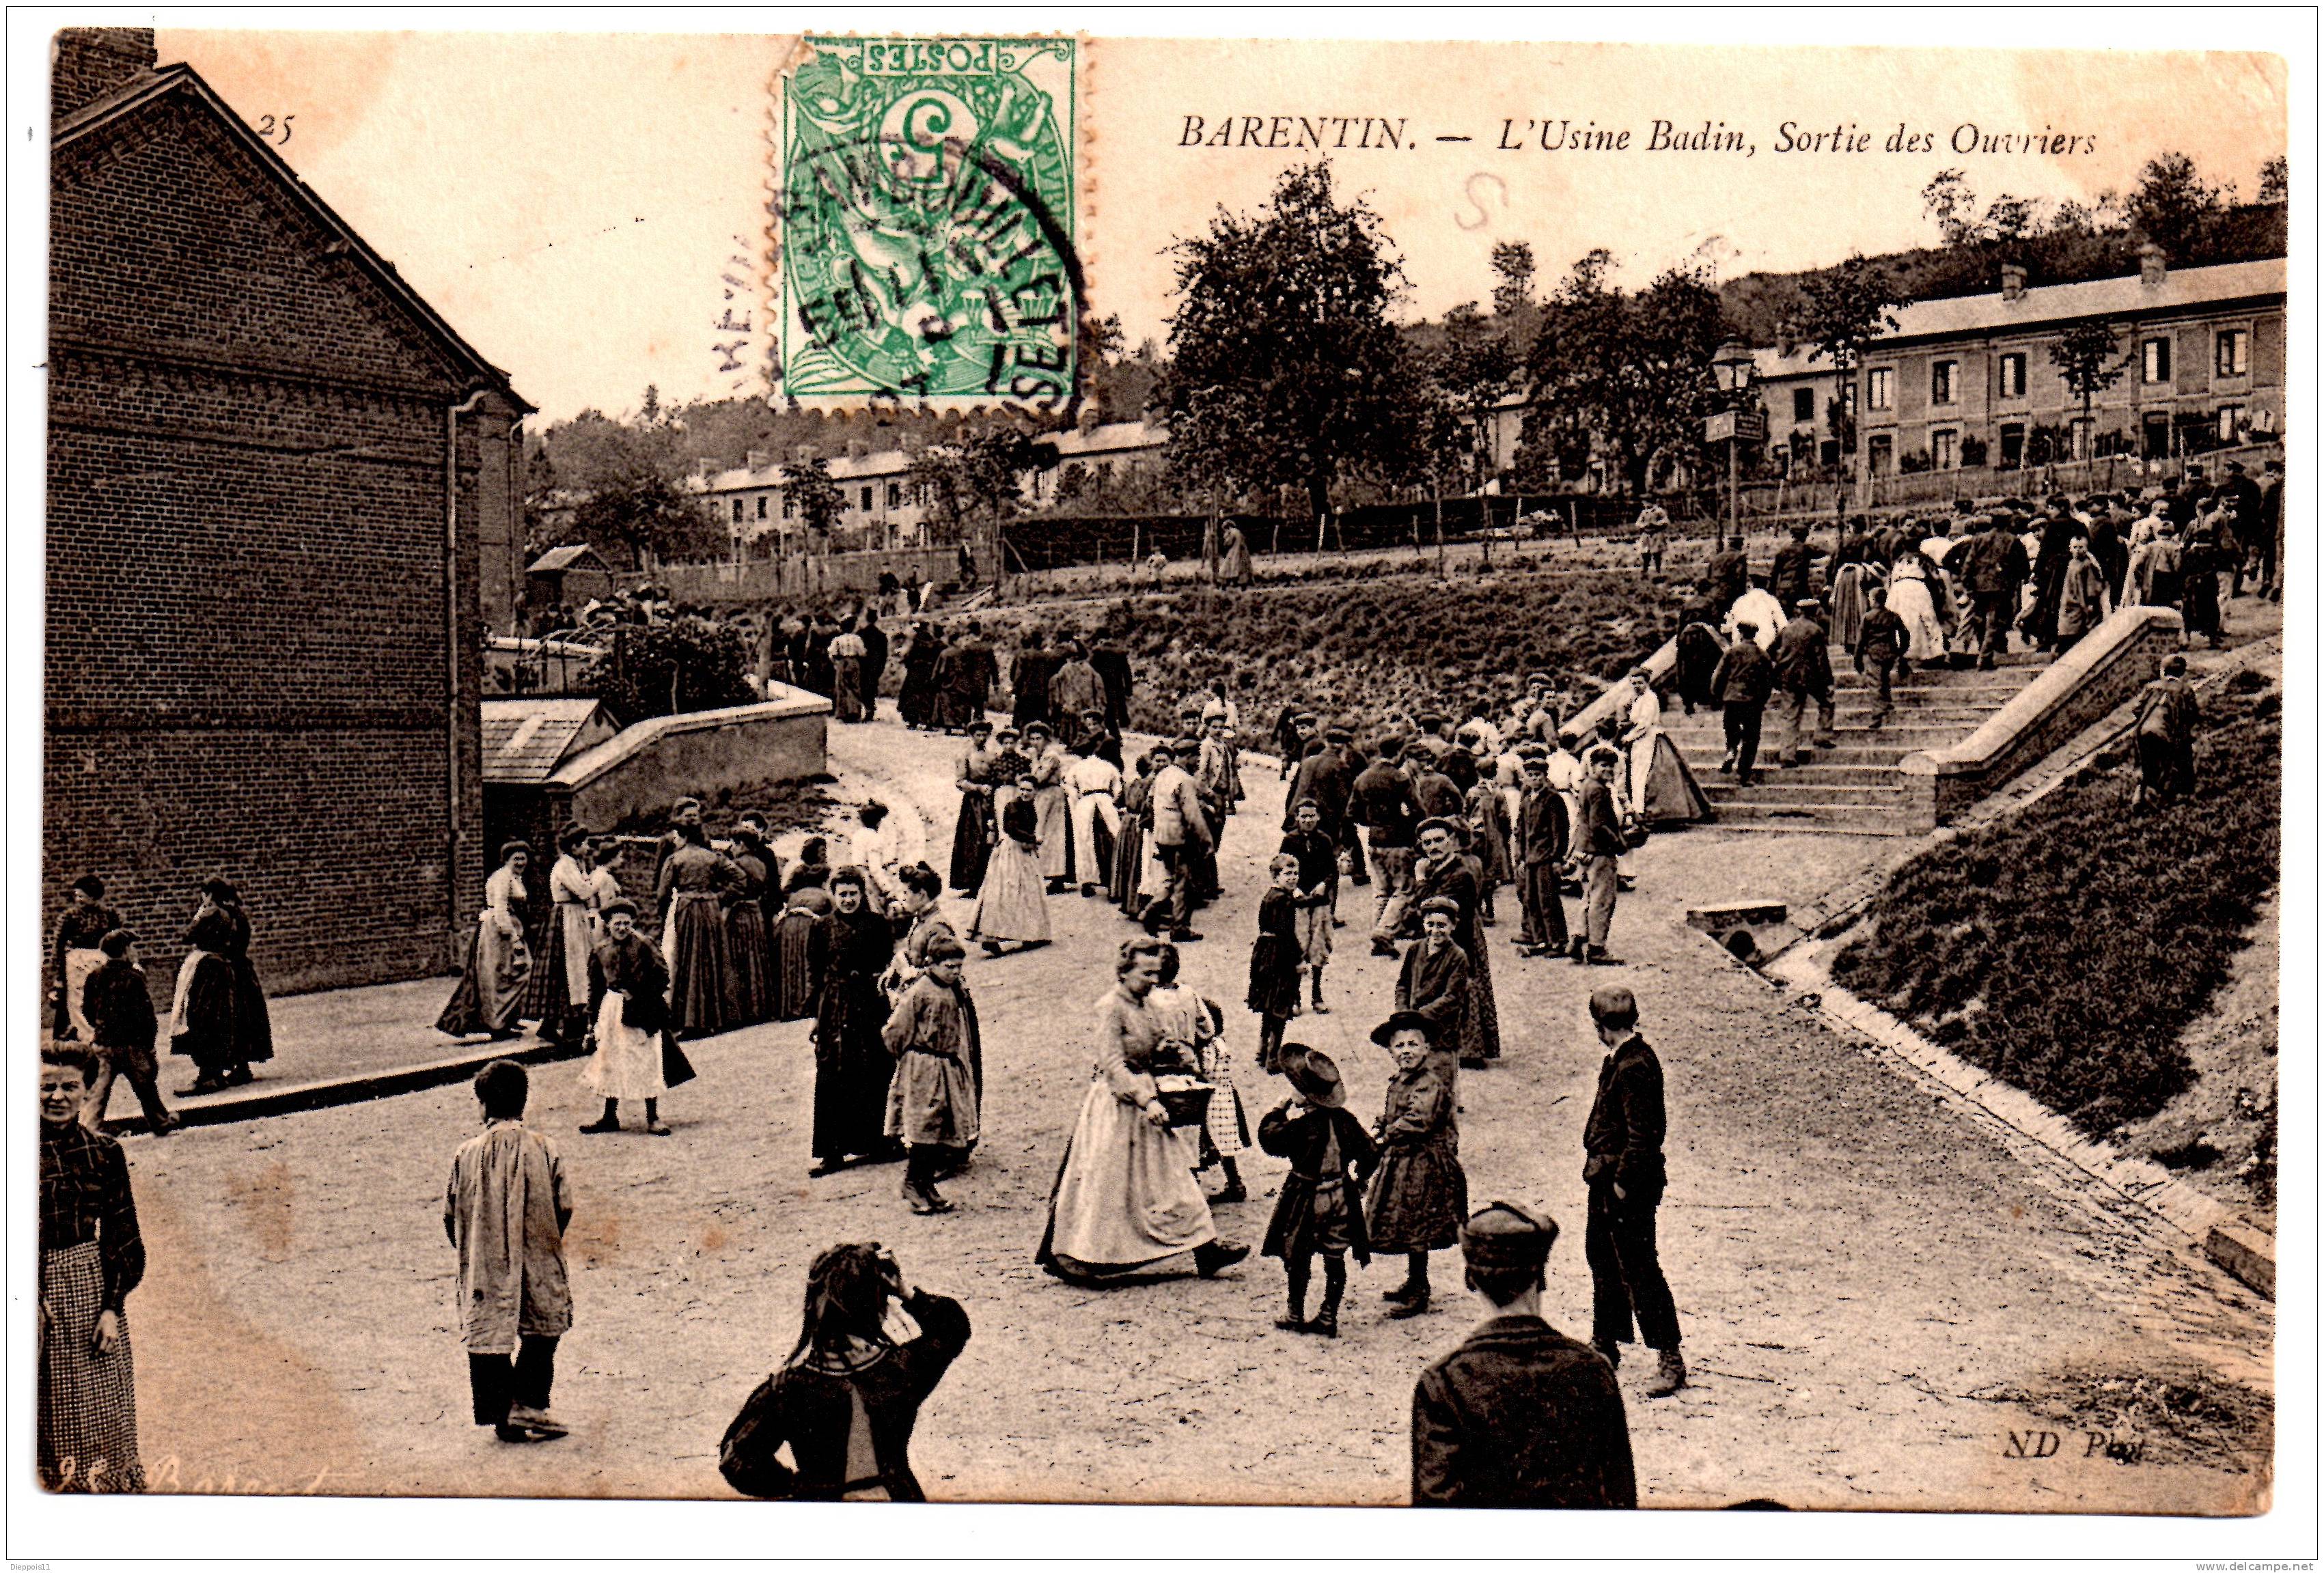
{"x": 786, "y": 505}
{"x": 762, "y": 506}
{"x": 2012, "y": 445}
{"x": 867, "y": 499}
{"x": 1883, "y": 455}
{"x": 2013, "y": 376}
{"x": 1944, "y": 383}
{"x": 1944, "y": 446}
{"x": 1803, "y": 404}
{"x": 2154, "y": 361}
{"x": 1880, "y": 388}
{"x": 2235, "y": 353}
{"x": 2231, "y": 419}
{"x": 895, "y": 495}
{"x": 738, "y": 510}
{"x": 2154, "y": 434}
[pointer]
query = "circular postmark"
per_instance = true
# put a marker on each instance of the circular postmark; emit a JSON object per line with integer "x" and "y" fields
{"x": 926, "y": 244}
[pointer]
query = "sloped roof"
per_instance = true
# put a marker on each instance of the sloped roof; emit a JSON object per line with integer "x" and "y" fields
{"x": 526, "y": 739}
{"x": 580, "y": 554}
{"x": 2181, "y": 289}
{"x": 148, "y": 87}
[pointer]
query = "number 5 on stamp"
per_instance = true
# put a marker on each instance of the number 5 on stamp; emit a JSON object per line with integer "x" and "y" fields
{"x": 926, "y": 209}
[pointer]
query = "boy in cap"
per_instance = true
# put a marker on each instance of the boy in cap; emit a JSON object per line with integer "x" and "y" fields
{"x": 1319, "y": 1212}
{"x": 1880, "y": 644}
{"x": 505, "y": 1212}
{"x": 1803, "y": 658}
{"x": 1520, "y": 1415}
{"x": 119, "y": 1010}
{"x": 1543, "y": 838}
{"x": 1622, "y": 1140}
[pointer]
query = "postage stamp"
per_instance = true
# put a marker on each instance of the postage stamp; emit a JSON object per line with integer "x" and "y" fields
{"x": 926, "y": 198}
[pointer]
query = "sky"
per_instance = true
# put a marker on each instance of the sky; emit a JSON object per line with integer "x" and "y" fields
{"x": 589, "y": 209}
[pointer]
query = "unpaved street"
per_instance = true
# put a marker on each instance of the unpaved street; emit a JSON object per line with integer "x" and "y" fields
{"x": 1859, "y": 1266}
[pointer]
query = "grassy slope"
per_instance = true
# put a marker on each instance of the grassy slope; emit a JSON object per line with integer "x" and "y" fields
{"x": 1371, "y": 645}
{"x": 2067, "y": 948}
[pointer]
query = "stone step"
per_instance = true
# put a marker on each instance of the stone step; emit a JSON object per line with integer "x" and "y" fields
{"x": 1852, "y": 710}
{"x": 1867, "y": 817}
{"x": 1899, "y": 733}
{"x": 1874, "y": 773}
{"x": 1778, "y": 788}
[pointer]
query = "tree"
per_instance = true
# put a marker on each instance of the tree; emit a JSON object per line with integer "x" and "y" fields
{"x": 2009, "y": 218}
{"x": 1468, "y": 372}
{"x": 1513, "y": 301}
{"x": 1624, "y": 378}
{"x": 1841, "y": 310}
{"x": 646, "y": 515}
{"x": 936, "y": 475}
{"x": 672, "y": 669}
{"x": 2275, "y": 180}
{"x": 2085, "y": 356}
{"x": 2172, "y": 204}
{"x": 1284, "y": 370}
{"x": 1948, "y": 199}
{"x": 809, "y": 487}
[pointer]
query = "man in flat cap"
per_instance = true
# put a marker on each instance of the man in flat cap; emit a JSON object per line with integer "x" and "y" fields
{"x": 1622, "y": 1140}
{"x": 1520, "y": 1415}
{"x": 1993, "y": 567}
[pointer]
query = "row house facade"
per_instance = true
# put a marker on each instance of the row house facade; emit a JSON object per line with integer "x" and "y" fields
{"x": 1970, "y": 380}
{"x": 881, "y": 501}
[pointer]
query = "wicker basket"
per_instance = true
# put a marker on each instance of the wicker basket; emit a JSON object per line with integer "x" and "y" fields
{"x": 1186, "y": 1101}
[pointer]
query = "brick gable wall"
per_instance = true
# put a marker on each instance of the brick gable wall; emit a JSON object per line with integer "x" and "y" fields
{"x": 248, "y": 666}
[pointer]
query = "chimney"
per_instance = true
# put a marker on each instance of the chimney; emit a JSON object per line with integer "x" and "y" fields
{"x": 2012, "y": 282}
{"x": 2152, "y": 270}
{"x": 755, "y": 459}
{"x": 86, "y": 63}
{"x": 704, "y": 469}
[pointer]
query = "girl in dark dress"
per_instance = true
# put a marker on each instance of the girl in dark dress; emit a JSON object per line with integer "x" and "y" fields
{"x": 750, "y": 948}
{"x": 221, "y": 1018}
{"x": 972, "y": 833}
{"x": 851, "y": 949}
{"x": 1130, "y": 846}
{"x": 1419, "y": 1194}
{"x": 1278, "y": 965}
{"x": 918, "y": 702}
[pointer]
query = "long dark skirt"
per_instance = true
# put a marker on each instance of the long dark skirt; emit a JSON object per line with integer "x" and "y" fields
{"x": 698, "y": 967}
{"x": 1128, "y": 863}
{"x": 749, "y": 977}
{"x": 1480, "y": 1036}
{"x": 851, "y": 1070}
{"x": 917, "y": 703}
{"x": 971, "y": 843}
{"x": 548, "y": 992}
{"x": 254, "y": 1028}
{"x": 795, "y": 979}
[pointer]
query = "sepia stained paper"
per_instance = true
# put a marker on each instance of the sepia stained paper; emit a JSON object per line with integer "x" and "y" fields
{"x": 1905, "y": 1286}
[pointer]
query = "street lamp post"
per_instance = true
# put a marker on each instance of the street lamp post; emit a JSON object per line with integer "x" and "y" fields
{"x": 1732, "y": 366}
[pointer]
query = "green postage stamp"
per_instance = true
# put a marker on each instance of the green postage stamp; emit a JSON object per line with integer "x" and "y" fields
{"x": 926, "y": 207}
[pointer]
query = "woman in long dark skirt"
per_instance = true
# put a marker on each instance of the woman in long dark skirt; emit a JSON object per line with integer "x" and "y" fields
{"x": 916, "y": 702}
{"x": 750, "y": 950}
{"x": 804, "y": 904}
{"x": 1128, "y": 874}
{"x": 972, "y": 833}
{"x": 220, "y": 1016}
{"x": 695, "y": 882}
{"x": 852, "y": 948}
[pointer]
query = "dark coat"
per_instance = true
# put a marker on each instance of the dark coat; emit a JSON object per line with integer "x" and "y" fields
{"x": 1325, "y": 779}
{"x": 635, "y": 967}
{"x": 1439, "y": 795}
{"x": 1435, "y": 984}
{"x": 1730, "y": 573}
{"x": 1301, "y": 1138}
{"x": 1992, "y": 563}
{"x": 1802, "y": 656}
{"x": 1790, "y": 579}
{"x": 1601, "y": 834}
{"x": 1544, "y": 834}
{"x": 1623, "y": 1137}
{"x": 1520, "y": 1416}
{"x": 119, "y": 1008}
{"x": 1381, "y": 798}
{"x": 1882, "y": 636}
{"x": 811, "y": 1408}
{"x": 1746, "y": 677}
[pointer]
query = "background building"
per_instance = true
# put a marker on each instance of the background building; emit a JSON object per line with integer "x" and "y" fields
{"x": 252, "y": 418}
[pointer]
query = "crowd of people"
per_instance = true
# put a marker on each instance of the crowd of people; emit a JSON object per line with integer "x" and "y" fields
{"x": 1434, "y": 817}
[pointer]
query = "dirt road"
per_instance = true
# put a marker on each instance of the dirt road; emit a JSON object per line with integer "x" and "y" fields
{"x": 1882, "y": 1299}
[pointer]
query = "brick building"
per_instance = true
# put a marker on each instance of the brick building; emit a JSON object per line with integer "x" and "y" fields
{"x": 1968, "y": 381}
{"x": 281, "y": 511}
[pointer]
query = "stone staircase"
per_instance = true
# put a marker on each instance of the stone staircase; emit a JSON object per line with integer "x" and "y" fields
{"x": 1852, "y": 788}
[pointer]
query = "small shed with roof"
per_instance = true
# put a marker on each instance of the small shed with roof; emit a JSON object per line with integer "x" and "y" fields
{"x": 567, "y": 575}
